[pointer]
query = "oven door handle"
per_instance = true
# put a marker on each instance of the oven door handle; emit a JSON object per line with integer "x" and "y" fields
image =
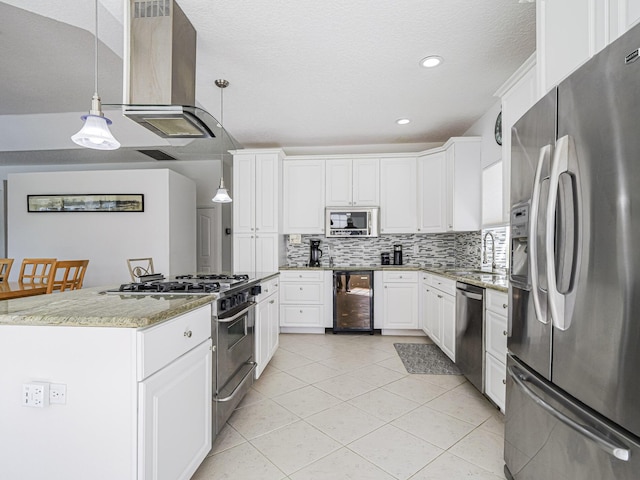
{"x": 239, "y": 314}
{"x": 235, "y": 390}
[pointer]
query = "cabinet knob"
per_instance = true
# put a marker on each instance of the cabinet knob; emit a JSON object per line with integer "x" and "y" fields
{"x": 418, "y": 229}
{"x": 439, "y": 296}
{"x": 300, "y": 288}
{"x": 400, "y": 276}
{"x": 504, "y": 381}
{"x": 504, "y": 305}
{"x": 257, "y": 229}
{"x": 300, "y": 311}
{"x": 276, "y": 284}
{"x": 188, "y": 334}
{"x": 251, "y": 229}
{"x": 450, "y": 226}
{"x": 386, "y": 286}
{"x": 272, "y": 301}
{"x": 266, "y": 290}
{"x": 504, "y": 332}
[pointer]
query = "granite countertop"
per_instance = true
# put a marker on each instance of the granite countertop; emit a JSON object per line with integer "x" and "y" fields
{"x": 89, "y": 307}
{"x": 499, "y": 282}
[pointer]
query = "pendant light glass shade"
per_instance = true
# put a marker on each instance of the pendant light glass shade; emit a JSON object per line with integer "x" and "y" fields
{"x": 95, "y": 133}
{"x": 222, "y": 196}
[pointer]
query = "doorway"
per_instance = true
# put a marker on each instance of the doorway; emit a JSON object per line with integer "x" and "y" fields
{"x": 209, "y": 251}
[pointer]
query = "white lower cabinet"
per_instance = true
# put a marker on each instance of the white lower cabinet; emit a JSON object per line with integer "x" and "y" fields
{"x": 174, "y": 396}
{"x": 400, "y": 300}
{"x": 439, "y": 312}
{"x": 175, "y": 417}
{"x": 496, "y": 346}
{"x": 305, "y": 301}
{"x": 267, "y": 329}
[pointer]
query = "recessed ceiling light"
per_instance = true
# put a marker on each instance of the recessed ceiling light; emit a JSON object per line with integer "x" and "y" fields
{"x": 403, "y": 121}
{"x": 431, "y": 61}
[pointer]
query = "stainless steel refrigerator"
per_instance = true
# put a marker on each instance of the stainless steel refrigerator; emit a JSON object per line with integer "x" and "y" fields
{"x": 573, "y": 368}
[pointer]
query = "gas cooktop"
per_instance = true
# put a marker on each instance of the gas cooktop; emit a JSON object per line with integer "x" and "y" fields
{"x": 188, "y": 284}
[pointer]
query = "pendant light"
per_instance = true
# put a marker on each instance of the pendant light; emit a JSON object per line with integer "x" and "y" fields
{"x": 222, "y": 196}
{"x": 95, "y": 132}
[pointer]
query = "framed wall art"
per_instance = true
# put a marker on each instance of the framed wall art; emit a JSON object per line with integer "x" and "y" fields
{"x": 100, "y": 202}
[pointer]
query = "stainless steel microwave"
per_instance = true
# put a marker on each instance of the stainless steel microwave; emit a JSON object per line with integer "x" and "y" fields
{"x": 349, "y": 221}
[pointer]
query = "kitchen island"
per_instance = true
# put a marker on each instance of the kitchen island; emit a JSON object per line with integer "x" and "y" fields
{"x": 136, "y": 372}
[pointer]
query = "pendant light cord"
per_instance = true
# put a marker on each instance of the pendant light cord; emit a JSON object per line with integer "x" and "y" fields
{"x": 95, "y": 53}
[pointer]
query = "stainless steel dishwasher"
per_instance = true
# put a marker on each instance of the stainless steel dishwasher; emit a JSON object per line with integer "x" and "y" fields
{"x": 470, "y": 333}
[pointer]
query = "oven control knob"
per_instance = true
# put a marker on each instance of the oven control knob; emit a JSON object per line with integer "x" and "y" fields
{"x": 256, "y": 290}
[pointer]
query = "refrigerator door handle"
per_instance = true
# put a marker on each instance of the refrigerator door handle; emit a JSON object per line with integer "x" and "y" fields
{"x": 561, "y": 304}
{"x": 541, "y": 314}
{"x": 520, "y": 377}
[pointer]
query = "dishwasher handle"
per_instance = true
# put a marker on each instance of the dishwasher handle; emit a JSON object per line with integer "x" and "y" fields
{"x": 472, "y": 296}
{"x": 470, "y": 291}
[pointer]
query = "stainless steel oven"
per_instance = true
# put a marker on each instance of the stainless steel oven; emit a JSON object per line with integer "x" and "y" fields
{"x": 234, "y": 323}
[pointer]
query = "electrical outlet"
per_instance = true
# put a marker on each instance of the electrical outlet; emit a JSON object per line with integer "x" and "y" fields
{"x": 58, "y": 394}
{"x": 295, "y": 239}
{"x": 35, "y": 394}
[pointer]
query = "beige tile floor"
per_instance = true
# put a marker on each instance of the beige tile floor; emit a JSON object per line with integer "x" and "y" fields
{"x": 332, "y": 407}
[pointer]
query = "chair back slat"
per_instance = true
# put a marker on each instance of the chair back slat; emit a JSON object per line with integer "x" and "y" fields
{"x": 37, "y": 271}
{"x": 5, "y": 269}
{"x": 68, "y": 275}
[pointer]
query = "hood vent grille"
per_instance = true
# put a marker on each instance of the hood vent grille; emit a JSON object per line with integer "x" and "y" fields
{"x": 157, "y": 154}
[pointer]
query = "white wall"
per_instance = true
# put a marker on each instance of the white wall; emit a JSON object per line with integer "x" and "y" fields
{"x": 107, "y": 239}
{"x": 484, "y": 127}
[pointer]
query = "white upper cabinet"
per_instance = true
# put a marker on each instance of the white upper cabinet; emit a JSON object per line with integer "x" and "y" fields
{"x": 432, "y": 178}
{"x": 398, "y": 195}
{"x": 255, "y": 189}
{"x": 569, "y": 32}
{"x": 352, "y": 182}
{"x": 366, "y": 182}
{"x": 463, "y": 184}
{"x": 518, "y": 94}
{"x": 303, "y": 196}
{"x": 256, "y": 204}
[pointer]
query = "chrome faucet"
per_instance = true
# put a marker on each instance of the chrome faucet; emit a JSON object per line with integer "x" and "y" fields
{"x": 493, "y": 250}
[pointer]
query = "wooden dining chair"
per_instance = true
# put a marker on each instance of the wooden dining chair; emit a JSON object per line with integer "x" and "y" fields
{"x": 5, "y": 269}
{"x": 139, "y": 267}
{"x": 68, "y": 275}
{"x": 37, "y": 271}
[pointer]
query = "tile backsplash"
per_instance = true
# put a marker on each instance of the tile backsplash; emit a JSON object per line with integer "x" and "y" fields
{"x": 457, "y": 250}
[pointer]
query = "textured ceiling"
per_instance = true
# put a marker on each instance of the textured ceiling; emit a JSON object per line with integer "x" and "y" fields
{"x": 303, "y": 73}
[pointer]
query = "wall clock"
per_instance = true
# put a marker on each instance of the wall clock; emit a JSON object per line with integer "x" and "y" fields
{"x": 497, "y": 131}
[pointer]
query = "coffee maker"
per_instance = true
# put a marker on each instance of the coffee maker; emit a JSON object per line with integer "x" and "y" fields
{"x": 397, "y": 254}
{"x": 314, "y": 253}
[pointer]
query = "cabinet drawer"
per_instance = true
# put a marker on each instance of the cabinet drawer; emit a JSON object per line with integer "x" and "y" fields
{"x": 301, "y": 275}
{"x": 443, "y": 284}
{"x": 495, "y": 380}
{"x": 496, "y": 335}
{"x": 161, "y": 344}
{"x": 301, "y": 293}
{"x": 497, "y": 301}
{"x": 301, "y": 316}
{"x": 268, "y": 288}
{"x": 398, "y": 276}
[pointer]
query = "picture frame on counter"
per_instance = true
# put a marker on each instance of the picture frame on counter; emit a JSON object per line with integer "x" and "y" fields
{"x": 97, "y": 202}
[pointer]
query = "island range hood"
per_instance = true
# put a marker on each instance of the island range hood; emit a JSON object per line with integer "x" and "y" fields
{"x": 162, "y": 72}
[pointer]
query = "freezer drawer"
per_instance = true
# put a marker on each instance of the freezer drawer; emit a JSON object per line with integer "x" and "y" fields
{"x": 549, "y": 435}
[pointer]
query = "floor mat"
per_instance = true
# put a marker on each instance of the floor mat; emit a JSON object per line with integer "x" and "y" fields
{"x": 426, "y": 359}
